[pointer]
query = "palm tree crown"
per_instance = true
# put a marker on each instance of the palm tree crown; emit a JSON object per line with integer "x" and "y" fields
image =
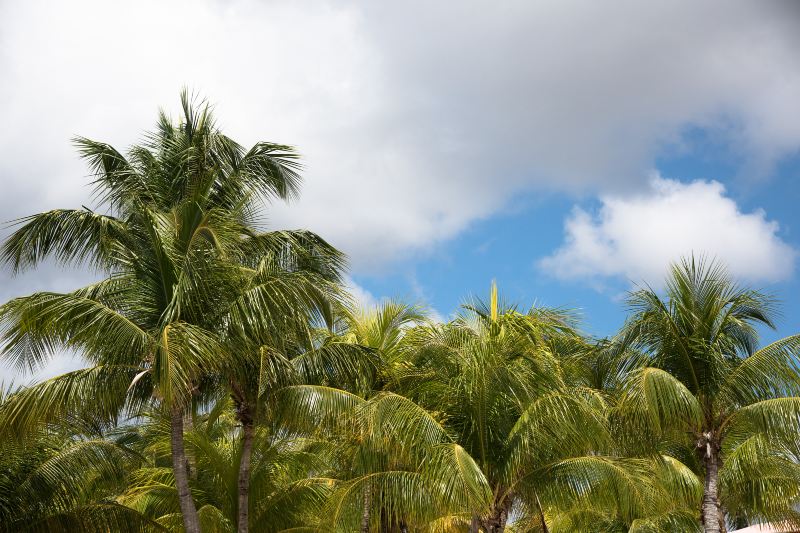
{"x": 707, "y": 380}
{"x": 179, "y": 243}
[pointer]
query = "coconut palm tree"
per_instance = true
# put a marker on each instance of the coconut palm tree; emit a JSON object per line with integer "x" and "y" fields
{"x": 397, "y": 468}
{"x": 280, "y": 349}
{"x": 180, "y": 234}
{"x": 494, "y": 376}
{"x": 707, "y": 383}
{"x": 280, "y": 470}
{"x": 66, "y": 477}
{"x": 633, "y": 486}
{"x": 663, "y": 492}
{"x": 382, "y": 329}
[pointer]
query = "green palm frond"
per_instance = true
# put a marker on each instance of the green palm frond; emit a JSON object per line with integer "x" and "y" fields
{"x": 38, "y": 325}
{"x": 773, "y": 371}
{"x": 67, "y": 235}
{"x": 654, "y": 397}
{"x": 98, "y": 392}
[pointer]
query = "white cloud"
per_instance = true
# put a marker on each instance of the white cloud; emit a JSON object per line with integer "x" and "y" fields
{"x": 638, "y": 236}
{"x": 415, "y": 118}
{"x": 55, "y": 366}
{"x": 363, "y": 298}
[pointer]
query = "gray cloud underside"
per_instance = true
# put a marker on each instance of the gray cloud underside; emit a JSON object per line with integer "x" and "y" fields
{"x": 415, "y": 118}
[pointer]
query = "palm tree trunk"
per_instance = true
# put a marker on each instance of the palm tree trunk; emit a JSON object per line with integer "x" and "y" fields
{"x": 502, "y": 519}
{"x": 720, "y": 509}
{"x": 474, "y": 525}
{"x": 365, "y": 514}
{"x": 246, "y": 417}
{"x": 243, "y": 517}
{"x": 188, "y": 425}
{"x": 191, "y": 522}
{"x": 710, "y": 508}
{"x": 498, "y": 520}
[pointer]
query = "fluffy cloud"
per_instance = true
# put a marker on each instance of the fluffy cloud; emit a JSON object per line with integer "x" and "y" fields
{"x": 415, "y": 118}
{"x": 362, "y": 298}
{"x": 639, "y": 236}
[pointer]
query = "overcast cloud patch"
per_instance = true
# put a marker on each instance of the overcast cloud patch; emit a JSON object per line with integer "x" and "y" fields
{"x": 414, "y": 118}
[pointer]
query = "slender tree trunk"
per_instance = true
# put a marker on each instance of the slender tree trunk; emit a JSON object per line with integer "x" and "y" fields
{"x": 545, "y": 529}
{"x": 246, "y": 417}
{"x": 188, "y": 425}
{"x": 365, "y": 513}
{"x": 243, "y": 514}
{"x": 720, "y": 509}
{"x": 474, "y": 525}
{"x": 501, "y": 515}
{"x": 496, "y": 522}
{"x": 502, "y": 518}
{"x": 191, "y": 522}
{"x": 710, "y": 508}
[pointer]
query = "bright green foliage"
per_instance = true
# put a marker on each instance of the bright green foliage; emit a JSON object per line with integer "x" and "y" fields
{"x": 282, "y": 494}
{"x": 178, "y": 246}
{"x": 708, "y": 391}
{"x": 495, "y": 377}
{"x": 68, "y": 479}
{"x": 187, "y": 271}
{"x": 231, "y": 387}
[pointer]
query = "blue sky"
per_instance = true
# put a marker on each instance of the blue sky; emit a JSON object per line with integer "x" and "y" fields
{"x": 566, "y": 149}
{"x": 506, "y": 247}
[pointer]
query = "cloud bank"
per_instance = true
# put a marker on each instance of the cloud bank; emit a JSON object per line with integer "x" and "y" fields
{"x": 415, "y": 119}
{"x": 637, "y": 237}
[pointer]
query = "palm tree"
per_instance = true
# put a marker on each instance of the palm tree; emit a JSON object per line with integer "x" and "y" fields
{"x": 280, "y": 470}
{"x": 396, "y": 467}
{"x": 382, "y": 328}
{"x": 649, "y": 493}
{"x": 630, "y": 486}
{"x": 66, "y": 477}
{"x": 707, "y": 383}
{"x": 179, "y": 235}
{"x": 277, "y": 346}
{"x": 495, "y": 377}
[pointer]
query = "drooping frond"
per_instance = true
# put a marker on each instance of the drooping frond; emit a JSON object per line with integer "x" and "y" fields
{"x": 773, "y": 371}
{"x": 655, "y": 399}
{"x": 99, "y": 392}
{"x": 69, "y": 236}
{"x": 35, "y": 326}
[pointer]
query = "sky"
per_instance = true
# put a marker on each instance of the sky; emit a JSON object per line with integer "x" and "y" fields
{"x": 570, "y": 150}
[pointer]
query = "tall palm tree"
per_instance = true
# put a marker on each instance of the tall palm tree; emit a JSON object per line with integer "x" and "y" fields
{"x": 180, "y": 233}
{"x": 707, "y": 382}
{"x": 277, "y": 348}
{"x": 280, "y": 470}
{"x": 495, "y": 377}
{"x": 396, "y": 467}
{"x": 382, "y": 329}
